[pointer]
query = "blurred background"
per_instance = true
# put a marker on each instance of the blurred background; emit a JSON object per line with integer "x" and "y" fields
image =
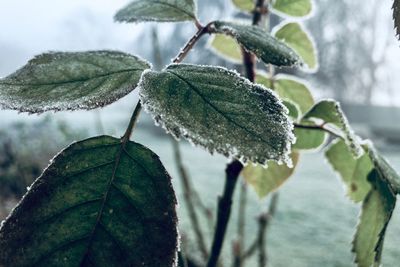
{"x": 314, "y": 222}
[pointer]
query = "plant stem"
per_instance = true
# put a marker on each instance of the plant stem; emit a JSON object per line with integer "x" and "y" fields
{"x": 188, "y": 193}
{"x": 190, "y": 44}
{"x": 224, "y": 210}
{"x": 132, "y": 123}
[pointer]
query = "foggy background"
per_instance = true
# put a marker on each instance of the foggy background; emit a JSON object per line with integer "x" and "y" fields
{"x": 359, "y": 66}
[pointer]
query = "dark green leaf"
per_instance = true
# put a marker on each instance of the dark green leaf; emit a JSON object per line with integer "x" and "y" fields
{"x": 289, "y": 88}
{"x": 330, "y": 114}
{"x": 376, "y": 212}
{"x": 219, "y": 110}
{"x": 307, "y": 139}
{"x": 69, "y": 81}
{"x": 353, "y": 171}
{"x": 396, "y": 16}
{"x": 294, "y": 8}
{"x": 244, "y": 5}
{"x": 266, "y": 179}
{"x": 385, "y": 170}
{"x": 300, "y": 41}
{"x": 157, "y": 10}
{"x": 99, "y": 203}
{"x": 261, "y": 43}
{"x": 226, "y": 47}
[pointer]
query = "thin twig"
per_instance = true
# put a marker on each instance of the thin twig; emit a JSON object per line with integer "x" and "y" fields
{"x": 187, "y": 194}
{"x": 239, "y": 244}
{"x": 132, "y": 123}
{"x": 224, "y": 210}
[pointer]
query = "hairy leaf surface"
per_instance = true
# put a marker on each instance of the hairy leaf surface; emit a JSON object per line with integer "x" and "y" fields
{"x": 353, "y": 171}
{"x": 99, "y": 203}
{"x": 294, "y": 8}
{"x": 226, "y": 47}
{"x": 375, "y": 215}
{"x": 261, "y": 43}
{"x": 266, "y": 179}
{"x": 329, "y": 113}
{"x": 69, "y": 81}
{"x": 299, "y": 40}
{"x": 157, "y": 10}
{"x": 289, "y": 88}
{"x": 219, "y": 110}
{"x": 396, "y": 16}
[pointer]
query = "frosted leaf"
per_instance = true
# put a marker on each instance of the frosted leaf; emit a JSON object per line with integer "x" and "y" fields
{"x": 94, "y": 206}
{"x": 296, "y": 36}
{"x": 330, "y": 113}
{"x": 376, "y": 212}
{"x": 71, "y": 80}
{"x": 219, "y": 110}
{"x": 157, "y": 10}
{"x": 386, "y": 171}
{"x": 261, "y": 43}
{"x": 267, "y": 179}
{"x": 396, "y": 16}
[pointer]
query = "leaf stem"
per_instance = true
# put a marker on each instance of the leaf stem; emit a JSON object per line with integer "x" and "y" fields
{"x": 190, "y": 44}
{"x": 132, "y": 122}
{"x": 318, "y": 128}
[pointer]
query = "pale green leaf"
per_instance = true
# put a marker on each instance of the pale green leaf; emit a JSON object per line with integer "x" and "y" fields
{"x": 293, "y": 8}
{"x": 219, "y": 110}
{"x": 226, "y": 47}
{"x": 329, "y": 114}
{"x": 95, "y": 205}
{"x": 396, "y": 16}
{"x": 157, "y": 10}
{"x": 294, "y": 110}
{"x": 307, "y": 139}
{"x": 299, "y": 40}
{"x": 244, "y": 5}
{"x": 266, "y": 179}
{"x": 385, "y": 170}
{"x": 375, "y": 215}
{"x": 69, "y": 81}
{"x": 258, "y": 41}
{"x": 289, "y": 88}
{"x": 353, "y": 171}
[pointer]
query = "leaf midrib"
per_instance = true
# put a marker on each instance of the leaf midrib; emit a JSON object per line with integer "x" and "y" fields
{"x": 70, "y": 81}
{"x": 218, "y": 111}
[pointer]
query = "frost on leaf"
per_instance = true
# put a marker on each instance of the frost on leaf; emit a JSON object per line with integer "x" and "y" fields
{"x": 157, "y": 10}
{"x": 262, "y": 44}
{"x": 329, "y": 113}
{"x": 93, "y": 206}
{"x": 375, "y": 215}
{"x": 219, "y": 110}
{"x": 396, "y": 16}
{"x": 71, "y": 80}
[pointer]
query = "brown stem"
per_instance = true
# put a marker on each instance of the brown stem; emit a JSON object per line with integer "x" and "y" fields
{"x": 224, "y": 210}
{"x": 190, "y": 44}
{"x": 188, "y": 193}
{"x": 132, "y": 123}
